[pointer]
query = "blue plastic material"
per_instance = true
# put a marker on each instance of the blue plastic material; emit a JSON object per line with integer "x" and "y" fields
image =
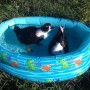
{"x": 46, "y": 68}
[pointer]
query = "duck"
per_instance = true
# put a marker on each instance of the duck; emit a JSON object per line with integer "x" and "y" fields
{"x": 32, "y": 35}
{"x": 59, "y": 43}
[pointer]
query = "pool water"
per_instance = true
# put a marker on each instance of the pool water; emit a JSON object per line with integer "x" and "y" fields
{"x": 10, "y": 42}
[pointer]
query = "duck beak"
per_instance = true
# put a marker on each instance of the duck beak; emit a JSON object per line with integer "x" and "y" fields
{"x": 50, "y": 27}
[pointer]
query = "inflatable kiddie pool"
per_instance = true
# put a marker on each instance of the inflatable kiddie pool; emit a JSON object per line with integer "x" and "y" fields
{"x": 39, "y": 66}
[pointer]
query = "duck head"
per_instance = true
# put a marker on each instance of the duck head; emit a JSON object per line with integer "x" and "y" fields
{"x": 46, "y": 27}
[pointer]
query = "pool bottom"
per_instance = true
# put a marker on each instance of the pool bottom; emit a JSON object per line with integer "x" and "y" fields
{"x": 10, "y": 42}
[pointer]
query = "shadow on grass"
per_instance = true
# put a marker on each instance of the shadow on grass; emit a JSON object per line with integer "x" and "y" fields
{"x": 8, "y": 82}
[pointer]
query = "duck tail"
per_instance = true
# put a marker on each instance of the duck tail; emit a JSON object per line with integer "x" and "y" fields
{"x": 16, "y": 29}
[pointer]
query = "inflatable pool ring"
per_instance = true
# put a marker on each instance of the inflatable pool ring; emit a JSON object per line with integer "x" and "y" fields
{"x": 40, "y": 66}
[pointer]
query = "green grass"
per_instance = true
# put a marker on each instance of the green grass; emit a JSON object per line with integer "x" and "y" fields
{"x": 8, "y": 82}
{"x": 73, "y": 9}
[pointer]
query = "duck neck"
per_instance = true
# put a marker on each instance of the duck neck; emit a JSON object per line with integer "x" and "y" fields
{"x": 40, "y": 33}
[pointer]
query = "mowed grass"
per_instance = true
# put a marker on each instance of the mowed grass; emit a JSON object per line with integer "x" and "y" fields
{"x": 73, "y": 9}
{"x": 8, "y": 82}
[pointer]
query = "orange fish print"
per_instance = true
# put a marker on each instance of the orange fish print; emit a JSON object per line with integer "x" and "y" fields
{"x": 46, "y": 68}
{"x": 15, "y": 64}
{"x": 78, "y": 62}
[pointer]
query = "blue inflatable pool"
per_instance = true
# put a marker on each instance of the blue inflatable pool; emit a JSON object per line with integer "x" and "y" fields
{"x": 39, "y": 66}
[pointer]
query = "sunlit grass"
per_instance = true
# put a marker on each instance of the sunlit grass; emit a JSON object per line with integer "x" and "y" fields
{"x": 73, "y": 9}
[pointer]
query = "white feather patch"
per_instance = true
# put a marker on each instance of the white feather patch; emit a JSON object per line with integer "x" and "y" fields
{"x": 57, "y": 47}
{"x": 40, "y": 33}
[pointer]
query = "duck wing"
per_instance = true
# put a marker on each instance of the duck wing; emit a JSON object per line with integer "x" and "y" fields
{"x": 55, "y": 39}
{"x": 26, "y": 35}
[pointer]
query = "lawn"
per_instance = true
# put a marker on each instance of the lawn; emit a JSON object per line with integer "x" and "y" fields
{"x": 8, "y": 82}
{"x": 78, "y": 10}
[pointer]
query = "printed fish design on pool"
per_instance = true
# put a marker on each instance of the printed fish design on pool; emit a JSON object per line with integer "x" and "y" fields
{"x": 8, "y": 58}
{"x": 31, "y": 65}
{"x": 15, "y": 64}
{"x": 48, "y": 80}
{"x": 3, "y": 56}
{"x": 64, "y": 63}
{"x": 38, "y": 64}
{"x": 79, "y": 74}
{"x": 46, "y": 68}
{"x": 89, "y": 48}
{"x": 78, "y": 62}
